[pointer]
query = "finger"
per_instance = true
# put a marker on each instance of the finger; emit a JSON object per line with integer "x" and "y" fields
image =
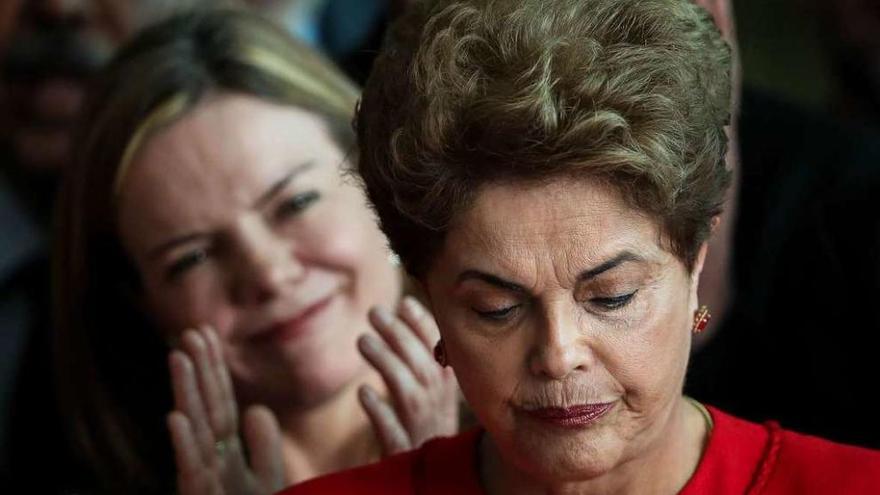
{"x": 187, "y": 456}
{"x": 392, "y": 435}
{"x": 187, "y": 400}
{"x": 193, "y": 476}
{"x": 221, "y": 371}
{"x": 408, "y": 395}
{"x": 401, "y": 339}
{"x": 263, "y": 437}
{"x": 421, "y": 320}
{"x": 216, "y": 408}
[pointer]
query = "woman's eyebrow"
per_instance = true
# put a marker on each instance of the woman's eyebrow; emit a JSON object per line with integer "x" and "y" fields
{"x": 491, "y": 280}
{"x": 619, "y": 259}
{"x": 281, "y": 183}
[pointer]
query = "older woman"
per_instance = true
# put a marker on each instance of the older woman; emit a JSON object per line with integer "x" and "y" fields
{"x": 549, "y": 171}
{"x": 212, "y": 190}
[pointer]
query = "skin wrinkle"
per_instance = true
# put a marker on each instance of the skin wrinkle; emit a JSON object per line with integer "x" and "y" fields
{"x": 656, "y": 73}
{"x": 559, "y": 351}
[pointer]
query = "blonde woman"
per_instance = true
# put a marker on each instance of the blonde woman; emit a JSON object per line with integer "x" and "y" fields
{"x": 212, "y": 211}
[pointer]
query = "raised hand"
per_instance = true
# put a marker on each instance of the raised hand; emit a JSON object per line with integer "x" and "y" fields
{"x": 204, "y": 426}
{"x": 424, "y": 397}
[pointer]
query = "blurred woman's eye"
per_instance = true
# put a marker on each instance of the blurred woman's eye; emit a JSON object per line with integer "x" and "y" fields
{"x": 614, "y": 302}
{"x": 296, "y": 204}
{"x": 498, "y": 315}
{"x": 186, "y": 262}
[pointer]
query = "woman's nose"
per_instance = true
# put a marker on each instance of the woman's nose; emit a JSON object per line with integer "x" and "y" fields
{"x": 267, "y": 266}
{"x": 559, "y": 348}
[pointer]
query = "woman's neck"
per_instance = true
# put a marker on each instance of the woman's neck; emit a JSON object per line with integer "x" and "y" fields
{"x": 332, "y": 436}
{"x": 664, "y": 469}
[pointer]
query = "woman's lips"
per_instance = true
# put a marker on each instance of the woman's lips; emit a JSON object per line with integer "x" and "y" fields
{"x": 571, "y": 417}
{"x": 295, "y": 327}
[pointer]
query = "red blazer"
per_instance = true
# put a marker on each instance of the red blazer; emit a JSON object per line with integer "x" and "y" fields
{"x": 741, "y": 458}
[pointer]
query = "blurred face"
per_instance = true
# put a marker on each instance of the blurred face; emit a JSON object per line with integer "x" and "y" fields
{"x": 48, "y": 50}
{"x": 237, "y": 216}
{"x": 567, "y": 324}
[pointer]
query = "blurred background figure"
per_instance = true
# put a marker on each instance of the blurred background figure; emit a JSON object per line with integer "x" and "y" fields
{"x": 212, "y": 188}
{"x": 41, "y": 122}
{"x": 48, "y": 50}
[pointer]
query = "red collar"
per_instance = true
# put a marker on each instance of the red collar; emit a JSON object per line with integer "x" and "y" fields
{"x": 738, "y": 459}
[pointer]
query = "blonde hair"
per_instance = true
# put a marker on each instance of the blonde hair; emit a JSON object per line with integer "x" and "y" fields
{"x": 631, "y": 92}
{"x": 309, "y": 83}
{"x": 105, "y": 344}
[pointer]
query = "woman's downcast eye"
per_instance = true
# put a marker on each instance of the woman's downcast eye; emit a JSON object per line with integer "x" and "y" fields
{"x": 614, "y": 302}
{"x": 296, "y": 204}
{"x": 604, "y": 303}
{"x": 498, "y": 315}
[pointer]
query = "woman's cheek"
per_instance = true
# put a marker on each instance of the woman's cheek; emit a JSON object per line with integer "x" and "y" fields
{"x": 202, "y": 299}
{"x": 333, "y": 235}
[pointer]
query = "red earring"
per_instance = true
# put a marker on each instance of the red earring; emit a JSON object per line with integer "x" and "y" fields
{"x": 440, "y": 354}
{"x": 701, "y": 319}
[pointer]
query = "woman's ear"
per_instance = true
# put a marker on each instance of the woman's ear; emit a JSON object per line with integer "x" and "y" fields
{"x": 701, "y": 256}
{"x": 697, "y": 270}
{"x": 714, "y": 223}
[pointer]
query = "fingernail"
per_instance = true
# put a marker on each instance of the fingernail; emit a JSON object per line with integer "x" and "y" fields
{"x": 366, "y": 342}
{"x": 198, "y": 340}
{"x": 178, "y": 359}
{"x": 367, "y": 393}
{"x": 382, "y": 315}
{"x": 412, "y": 306}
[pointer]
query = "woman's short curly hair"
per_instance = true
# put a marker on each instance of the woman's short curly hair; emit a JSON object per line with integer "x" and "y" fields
{"x": 471, "y": 92}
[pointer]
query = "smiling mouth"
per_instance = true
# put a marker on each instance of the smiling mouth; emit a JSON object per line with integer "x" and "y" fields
{"x": 295, "y": 327}
{"x": 581, "y": 416}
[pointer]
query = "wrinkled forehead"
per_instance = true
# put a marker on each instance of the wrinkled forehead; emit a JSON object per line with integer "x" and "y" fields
{"x": 564, "y": 226}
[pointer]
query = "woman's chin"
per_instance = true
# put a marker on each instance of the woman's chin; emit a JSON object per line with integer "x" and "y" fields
{"x": 567, "y": 455}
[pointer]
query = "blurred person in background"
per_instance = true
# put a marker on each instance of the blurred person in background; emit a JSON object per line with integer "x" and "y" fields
{"x": 214, "y": 188}
{"x": 48, "y": 50}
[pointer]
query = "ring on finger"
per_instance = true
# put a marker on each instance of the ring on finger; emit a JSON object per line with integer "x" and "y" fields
{"x": 220, "y": 447}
